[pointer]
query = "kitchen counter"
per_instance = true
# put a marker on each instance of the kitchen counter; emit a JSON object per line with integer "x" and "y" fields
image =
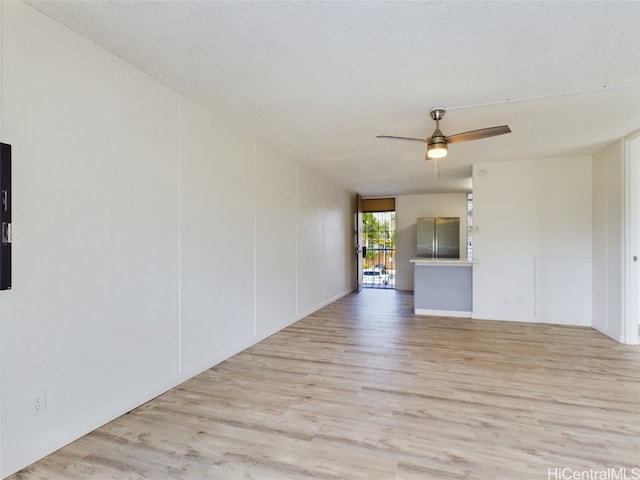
{"x": 442, "y": 287}
{"x": 449, "y": 262}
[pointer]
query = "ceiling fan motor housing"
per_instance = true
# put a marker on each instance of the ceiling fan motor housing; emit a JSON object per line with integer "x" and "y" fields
{"x": 437, "y": 113}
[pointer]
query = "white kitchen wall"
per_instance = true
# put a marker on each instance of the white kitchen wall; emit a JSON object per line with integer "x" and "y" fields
{"x": 532, "y": 240}
{"x": 411, "y": 207}
{"x": 152, "y": 239}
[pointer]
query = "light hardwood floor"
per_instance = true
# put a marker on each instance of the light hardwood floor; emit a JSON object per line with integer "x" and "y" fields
{"x": 363, "y": 389}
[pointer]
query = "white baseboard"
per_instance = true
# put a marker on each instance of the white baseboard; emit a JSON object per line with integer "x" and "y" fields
{"x": 504, "y": 318}
{"x": 442, "y": 313}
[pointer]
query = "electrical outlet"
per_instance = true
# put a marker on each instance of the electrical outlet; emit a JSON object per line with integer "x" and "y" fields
{"x": 38, "y": 402}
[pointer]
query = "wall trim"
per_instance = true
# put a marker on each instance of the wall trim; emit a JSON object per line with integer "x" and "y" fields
{"x": 502, "y": 318}
{"x": 442, "y": 313}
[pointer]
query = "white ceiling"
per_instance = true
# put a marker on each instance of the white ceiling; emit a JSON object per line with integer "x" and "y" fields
{"x": 320, "y": 79}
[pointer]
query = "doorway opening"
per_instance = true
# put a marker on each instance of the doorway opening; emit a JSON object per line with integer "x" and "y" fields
{"x": 378, "y": 243}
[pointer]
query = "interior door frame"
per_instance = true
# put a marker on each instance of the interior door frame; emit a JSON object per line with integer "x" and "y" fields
{"x": 631, "y": 289}
{"x": 357, "y": 228}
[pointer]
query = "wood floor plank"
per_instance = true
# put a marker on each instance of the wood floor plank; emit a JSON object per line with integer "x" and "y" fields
{"x": 364, "y": 389}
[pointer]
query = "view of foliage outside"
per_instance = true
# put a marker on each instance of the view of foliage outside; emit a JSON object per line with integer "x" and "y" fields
{"x": 379, "y": 238}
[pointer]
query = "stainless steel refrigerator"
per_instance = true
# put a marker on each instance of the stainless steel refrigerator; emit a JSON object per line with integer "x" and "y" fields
{"x": 438, "y": 237}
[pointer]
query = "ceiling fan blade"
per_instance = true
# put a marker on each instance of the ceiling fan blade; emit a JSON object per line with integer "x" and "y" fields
{"x": 478, "y": 134}
{"x": 390, "y": 137}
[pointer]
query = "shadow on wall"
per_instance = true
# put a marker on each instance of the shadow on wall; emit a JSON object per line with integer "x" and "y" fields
{"x": 412, "y": 233}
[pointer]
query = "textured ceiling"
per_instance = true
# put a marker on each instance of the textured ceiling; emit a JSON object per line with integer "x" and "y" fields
{"x": 319, "y": 80}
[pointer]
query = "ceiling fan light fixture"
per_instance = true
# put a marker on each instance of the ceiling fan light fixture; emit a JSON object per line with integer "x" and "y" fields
{"x": 438, "y": 143}
{"x": 436, "y": 150}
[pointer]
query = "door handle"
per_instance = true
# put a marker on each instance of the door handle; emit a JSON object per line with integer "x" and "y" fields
{"x": 6, "y": 233}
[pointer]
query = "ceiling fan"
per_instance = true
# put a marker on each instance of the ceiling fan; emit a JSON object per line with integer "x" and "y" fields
{"x": 437, "y": 143}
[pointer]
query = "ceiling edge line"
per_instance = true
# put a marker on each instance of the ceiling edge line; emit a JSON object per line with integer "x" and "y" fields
{"x": 543, "y": 97}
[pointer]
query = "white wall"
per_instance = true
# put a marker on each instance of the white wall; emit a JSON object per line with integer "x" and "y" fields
{"x": 632, "y": 249}
{"x": 411, "y": 207}
{"x": 217, "y": 229}
{"x": 324, "y": 247}
{"x": 532, "y": 240}
{"x": 612, "y": 264}
{"x": 337, "y": 245}
{"x": 608, "y": 204}
{"x": 276, "y": 240}
{"x": 152, "y": 239}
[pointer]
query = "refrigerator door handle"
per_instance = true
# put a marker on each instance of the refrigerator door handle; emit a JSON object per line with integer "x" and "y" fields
{"x": 435, "y": 250}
